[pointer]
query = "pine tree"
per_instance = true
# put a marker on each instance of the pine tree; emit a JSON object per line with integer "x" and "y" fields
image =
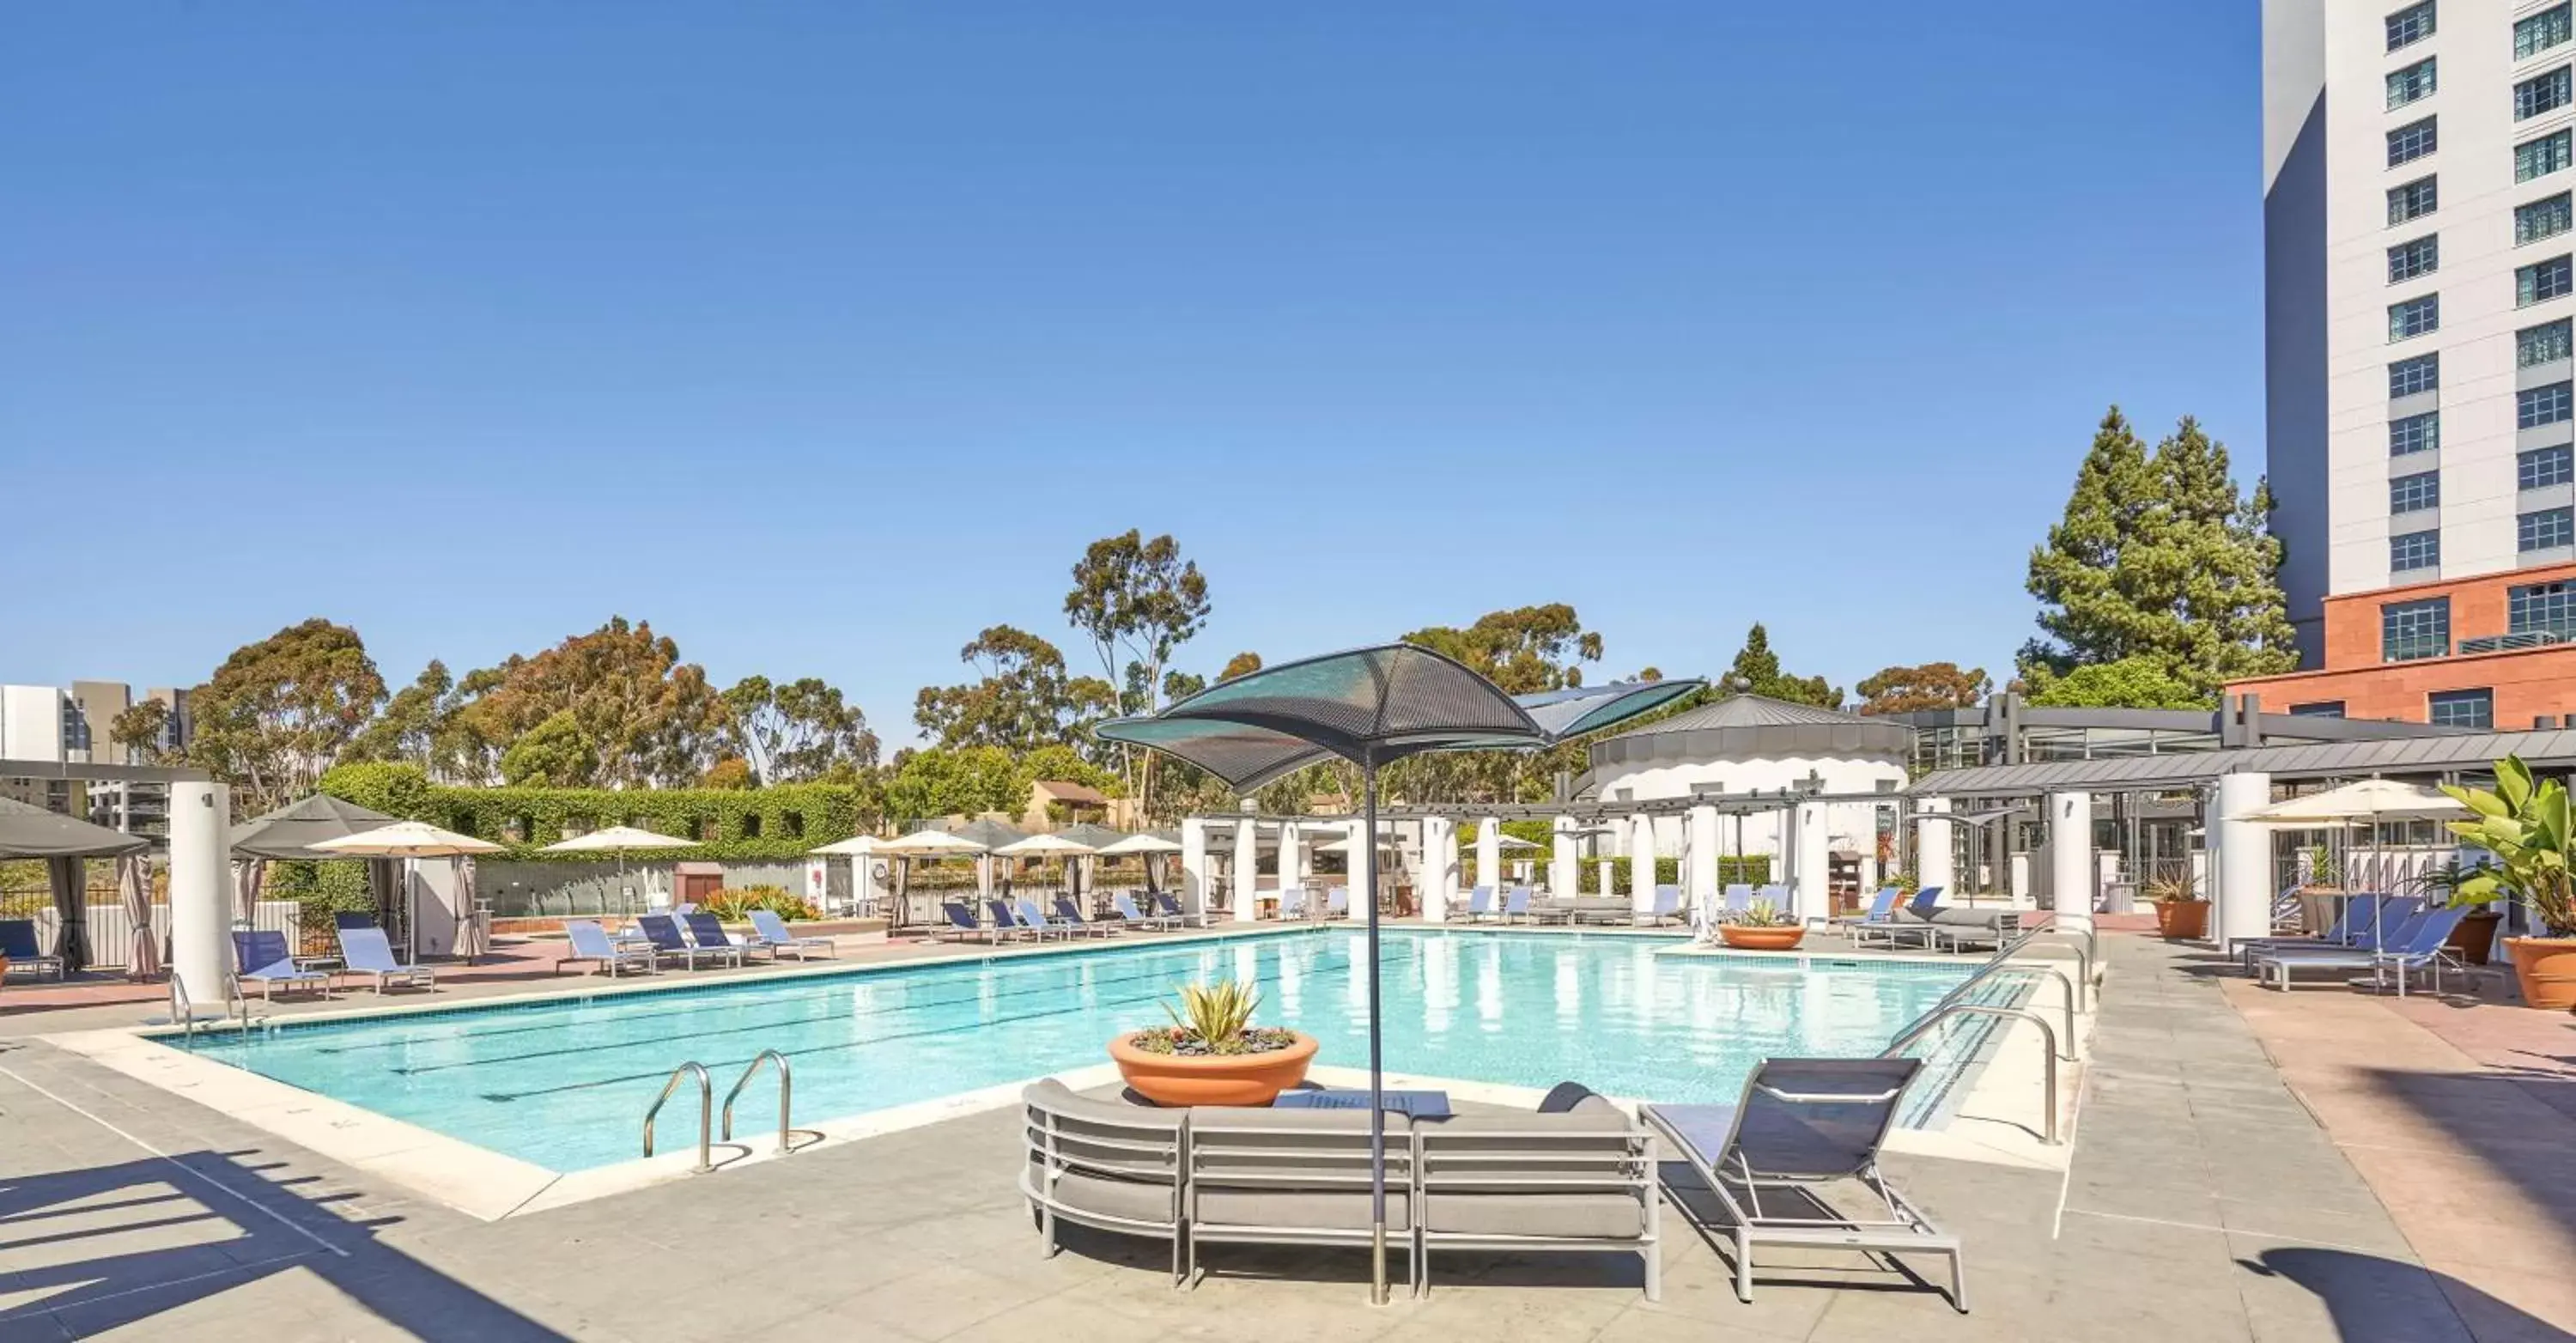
{"x": 2160, "y": 557}
{"x": 1757, "y": 672}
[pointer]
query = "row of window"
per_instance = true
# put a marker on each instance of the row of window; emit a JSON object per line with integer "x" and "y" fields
{"x": 2536, "y": 469}
{"x": 2531, "y": 36}
{"x": 2540, "y": 344}
{"x": 2473, "y": 709}
{"x": 2544, "y": 529}
{"x": 2544, "y": 92}
{"x": 2544, "y": 218}
{"x": 2531, "y": 158}
{"x": 2412, "y": 631}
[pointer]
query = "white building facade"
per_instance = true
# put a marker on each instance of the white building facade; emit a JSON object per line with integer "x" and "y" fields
{"x": 1748, "y": 744}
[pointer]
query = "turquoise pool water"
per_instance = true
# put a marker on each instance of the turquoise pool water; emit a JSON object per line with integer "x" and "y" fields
{"x": 565, "y": 1084}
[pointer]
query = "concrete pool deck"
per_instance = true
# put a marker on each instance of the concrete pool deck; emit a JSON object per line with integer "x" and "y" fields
{"x": 2204, "y": 1200}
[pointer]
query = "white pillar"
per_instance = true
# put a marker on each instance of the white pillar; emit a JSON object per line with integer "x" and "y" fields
{"x": 1439, "y": 867}
{"x": 2070, "y": 858}
{"x": 1641, "y": 865}
{"x": 1292, "y": 859}
{"x": 1363, "y": 861}
{"x": 1194, "y": 865}
{"x": 1932, "y": 847}
{"x": 1700, "y": 885}
{"x": 1489, "y": 857}
{"x": 1247, "y": 863}
{"x": 1810, "y": 892}
{"x": 201, "y": 950}
{"x": 1564, "y": 865}
{"x": 2243, "y": 870}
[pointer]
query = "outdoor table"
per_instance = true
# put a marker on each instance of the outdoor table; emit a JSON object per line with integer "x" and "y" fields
{"x": 1417, "y": 1104}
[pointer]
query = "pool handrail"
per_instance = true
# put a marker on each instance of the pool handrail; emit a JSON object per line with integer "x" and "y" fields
{"x": 786, "y": 1095}
{"x": 706, "y": 1111}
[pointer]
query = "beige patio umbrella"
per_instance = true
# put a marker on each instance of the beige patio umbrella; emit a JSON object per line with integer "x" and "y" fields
{"x": 1145, "y": 847}
{"x": 410, "y": 841}
{"x": 2364, "y": 802}
{"x": 618, "y": 839}
{"x": 1049, "y": 846}
{"x": 143, "y": 958}
{"x": 928, "y": 844}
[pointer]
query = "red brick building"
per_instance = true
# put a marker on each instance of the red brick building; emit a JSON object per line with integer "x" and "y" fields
{"x": 2497, "y": 650}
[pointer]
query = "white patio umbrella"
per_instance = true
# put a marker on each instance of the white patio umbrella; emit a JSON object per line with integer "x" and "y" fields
{"x": 1145, "y": 847}
{"x": 2366, "y": 801}
{"x": 618, "y": 839}
{"x": 928, "y": 844}
{"x": 410, "y": 841}
{"x": 1048, "y": 846}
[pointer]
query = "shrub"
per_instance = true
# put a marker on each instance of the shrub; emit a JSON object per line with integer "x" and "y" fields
{"x": 735, "y": 906}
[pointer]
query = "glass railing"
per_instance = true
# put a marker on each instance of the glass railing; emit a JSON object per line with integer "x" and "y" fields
{"x": 2504, "y": 643}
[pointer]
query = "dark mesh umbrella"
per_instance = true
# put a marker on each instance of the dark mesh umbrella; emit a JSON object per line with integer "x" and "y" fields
{"x": 1371, "y": 706}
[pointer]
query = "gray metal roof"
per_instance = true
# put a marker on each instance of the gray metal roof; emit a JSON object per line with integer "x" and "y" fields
{"x": 2424, "y": 755}
{"x": 1745, "y": 726}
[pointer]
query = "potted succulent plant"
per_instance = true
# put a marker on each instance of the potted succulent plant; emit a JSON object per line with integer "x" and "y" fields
{"x": 1212, "y": 1054}
{"x": 1761, "y": 926}
{"x": 2182, "y": 913}
{"x": 2526, "y": 826}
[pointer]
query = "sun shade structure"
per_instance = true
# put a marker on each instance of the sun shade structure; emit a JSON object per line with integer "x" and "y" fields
{"x": 2367, "y": 799}
{"x": 291, "y": 831}
{"x": 1371, "y": 706}
{"x": 63, "y": 841}
{"x": 409, "y": 841}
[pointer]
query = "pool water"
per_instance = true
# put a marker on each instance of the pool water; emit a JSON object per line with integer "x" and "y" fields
{"x": 565, "y": 1085}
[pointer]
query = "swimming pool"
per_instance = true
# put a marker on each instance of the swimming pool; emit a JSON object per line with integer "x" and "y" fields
{"x": 564, "y": 1084}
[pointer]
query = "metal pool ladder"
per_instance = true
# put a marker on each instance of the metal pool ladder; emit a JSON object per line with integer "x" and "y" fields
{"x": 786, "y": 1094}
{"x": 2073, "y": 999}
{"x": 708, "y": 1131}
{"x": 706, "y": 1107}
{"x": 183, "y": 1013}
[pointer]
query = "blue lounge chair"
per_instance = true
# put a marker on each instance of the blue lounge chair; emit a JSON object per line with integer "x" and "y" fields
{"x": 1480, "y": 904}
{"x": 2361, "y": 914}
{"x": 1125, "y": 904}
{"x": 962, "y": 926}
{"x": 350, "y": 918}
{"x": 18, "y": 947}
{"x": 590, "y": 942}
{"x": 1910, "y": 921}
{"x": 1881, "y": 911}
{"x": 1739, "y": 896}
{"x": 263, "y": 959}
{"x": 662, "y": 937}
{"x": 1171, "y": 909}
{"x": 1034, "y": 922}
{"x": 1337, "y": 902}
{"x": 1006, "y": 922}
{"x": 2394, "y": 923}
{"x": 1668, "y": 904}
{"x": 2420, "y": 946}
{"x": 1068, "y": 916}
{"x": 1516, "y": 904}
{"x": 708, "y": 934}
{"x": 365, "y": 951}
{"x": 772, "y": 932}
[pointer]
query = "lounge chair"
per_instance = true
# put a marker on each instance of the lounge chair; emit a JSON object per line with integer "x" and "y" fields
{"x": 1034, "y": 921}
{"x": 662, "y": 937}
{"x": 1125, "y": 904}
{"x": 1292, "y": 904}
{"x": 351, "y": 918}
{"x": 18, "y": 947}
{"x": 772, "y": 932}
{"x": 1668, "y": 904}
{"x": 590, "y": 942}
{"x": 1171, "y": 909}
{"x": 1291, "y": 1177}
{"x": 1577, "y": 1176}
{"x": 2420, "y": 945}
{"x": 1880, "y": 914}
{"x": 1909, "y": 922}
{"x": 1104, "y": 1164}
{"x": 365, "y": 951}
{"x": 1005, "y": 922}
{"x": 708, "y": 933}
{"x": 1337, "y": 902}
{"x": 2361, "y": 914}
{"x": 263, "y": 959}
{"x": 1802, "y": 1126}
{"x": 1516, "y": 905}
{"x": 1480, "y": 904}
{"x": 1069, "y": 915}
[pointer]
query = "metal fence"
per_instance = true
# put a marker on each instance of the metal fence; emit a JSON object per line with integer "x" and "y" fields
{"x": 111, "y": 931}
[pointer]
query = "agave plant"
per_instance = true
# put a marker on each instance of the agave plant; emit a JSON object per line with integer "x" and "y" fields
{"x": 1215, "y": 1015}
{"x": 1761, "y": 914}
{"x": 2525, "y": 825}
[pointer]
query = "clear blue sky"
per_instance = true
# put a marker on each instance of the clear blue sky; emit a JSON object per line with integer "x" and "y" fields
{"x": 823, "y": 336}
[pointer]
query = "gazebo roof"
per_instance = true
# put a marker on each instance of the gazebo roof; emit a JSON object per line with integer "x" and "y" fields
{"x": 33, "y": 832}
{"x": 1743, "y": 727}
{"x": 291, "y": 830}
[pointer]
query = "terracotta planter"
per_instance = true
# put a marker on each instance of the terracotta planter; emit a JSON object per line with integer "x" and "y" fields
{"x": 2545, "y": 967}
{"x": 2475, "y": 937}
{"x": 2182, "y": 920}
{"x": 1761, "y": 939}
{"x": 1212, "y": 1079}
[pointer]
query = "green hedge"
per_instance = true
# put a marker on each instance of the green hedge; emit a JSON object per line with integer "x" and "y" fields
{"x": 777, "y": 824}
{"x": 1753, "y": 870}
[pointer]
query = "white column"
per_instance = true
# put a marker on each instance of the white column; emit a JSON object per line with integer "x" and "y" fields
{"x": 1363, "y": 860}
{"x": 1564, "y": 865}
{"x": 1439, "y": 867}
{"x": 1700, "y": 885}
{"x": 1489, "y": 857}
{"x": 1810, "y": 895}
{"x": 201, "y": 954}
{"x": 1641, "y": 865}
{"x": 1292, "y": 859}
{"x": 2243, "y": 869}
{"x": 1247, "y": 863}
{"x": 2070, "y": 858}
{"x": 1194, "y": 865}
{"x": 1932, "y": 847}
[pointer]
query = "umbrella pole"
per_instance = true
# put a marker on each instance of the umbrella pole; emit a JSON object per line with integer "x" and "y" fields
{"x": 1377, "y": 1071}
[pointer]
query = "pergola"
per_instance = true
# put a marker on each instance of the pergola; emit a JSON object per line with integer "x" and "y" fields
{"x": 64, "y": 844}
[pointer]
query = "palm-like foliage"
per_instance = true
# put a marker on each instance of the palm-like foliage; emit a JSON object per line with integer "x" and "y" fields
{"x": 1216, "y": 1014}
{"x": 2525, "y": 825}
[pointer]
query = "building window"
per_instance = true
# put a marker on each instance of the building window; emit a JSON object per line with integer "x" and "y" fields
{"x": 2420, "y": 316}
{"x": 2420, "y": 256}
{"x": 2536, "y": 406}
{"x": 2414, "y": 200}
{"x": 2461, "y": 708}
{"x": 2332, "y": 708}
{"x": 2548, "y": 529}
{"x": 2541, "y": 608}
{"x": 2541, "y": 157}
{"x": 2541, "y": 468}
{"x": 2409, "y": 631}
{"x": 2411, "y": 141}
{"x": 2545, "y": 218}
{"x": 2406, "y": 377}
{"x": 2543, "y": 280}
{"x": 2415, "y": 433}
{"x": 2414, "y": 550}
{"x": 2531, "y": 97}
{"x": 2543, "y": 344}
{"x": 2413, "y": 24}
{"x": 2415, "y": 83}
{"x": 2421, "y": 490}
{"x": 2536, "y": 34}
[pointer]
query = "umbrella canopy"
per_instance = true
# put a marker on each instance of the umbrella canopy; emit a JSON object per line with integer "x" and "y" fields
{"x": 33, "y": 832}
{"x": 931, "y": 844}
{"x": 1516, "y": 842}
{"x": 1370, "y": 706}
{"x": 618, "y": 839}
{"x": 990, "y": 833}
{"x": 1043, "y": 846}
{"x": 403, "y": 839}
{"x": 1343, "y": 844}
{"x": 1145, "y": 844}
{"x": 1091, "y": 835}
{"x": 292, "y": 830}
{"x": 2365, "y": 800}
{"x": 856, "y": 846}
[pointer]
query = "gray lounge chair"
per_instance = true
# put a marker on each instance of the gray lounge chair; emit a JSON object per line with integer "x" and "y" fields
{"x": 2419, "y": 945}
{"x": 1516, "y": 905}
{"x": 1577, "y": 1177}
{"x": 1292, "y": 1177}
{"x": 773, "y": 933}
{"x": 365, "y": 951}
{"x": 1801, "y": 1127}
{"x": 590, "y": 942}
{"x": 2362, "y": 913}
{"x": 1104, "y": 1164}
